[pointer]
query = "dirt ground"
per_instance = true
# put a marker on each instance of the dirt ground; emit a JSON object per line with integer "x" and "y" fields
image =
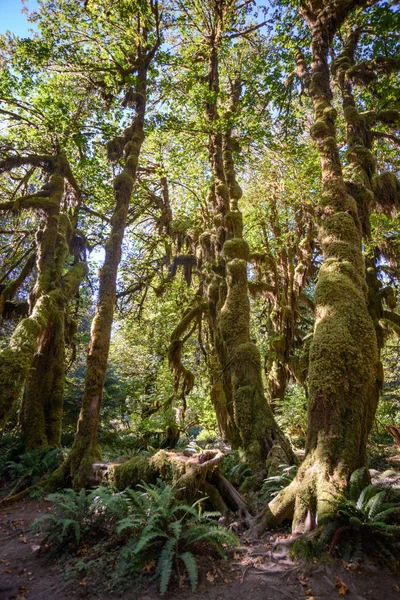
{"x": 259, "y": 571}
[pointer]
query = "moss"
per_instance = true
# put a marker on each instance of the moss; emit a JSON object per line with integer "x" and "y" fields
{"x": 17, "y": 358}
{"x": 236, "y": 248}
{"x": 319, "y": 129}
{"x": 362, "y": 156}
{"x": 351, "y": 115}
{"x": 234, "y": 223}
{"x": 115, "y": 148}
{"x": 169, "y": 467}
{"x": 123, "y": 182}
{"x": 276, "y": 457}
{"x": 339, "y": 226}
{"x": 389, "y": 117}
{"x": 222, "y": 190}
{"x": 330, "y": 113}
{"x": 235, "y": 191}
{"x": 132, "y": 472}
{"x": 329, "y": 144}
{"x": 386, "y": 189}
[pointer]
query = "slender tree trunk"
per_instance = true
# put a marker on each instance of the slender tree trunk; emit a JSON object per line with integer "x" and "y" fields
{"x": 84, "y": 450}
{"x": 255, "y": 429}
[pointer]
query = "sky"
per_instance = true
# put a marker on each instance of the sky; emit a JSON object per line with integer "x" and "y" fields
{"x": 11, "y": 17}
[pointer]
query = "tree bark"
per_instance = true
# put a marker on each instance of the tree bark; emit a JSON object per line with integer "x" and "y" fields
{"x": 85, "y": 450}
{"x": 343, "y": 368}
{"x": 253, "y": 424}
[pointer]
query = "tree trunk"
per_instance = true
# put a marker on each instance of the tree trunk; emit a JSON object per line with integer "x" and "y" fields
{"x": 85, "y": 450}
{"x": 34, "y": 357}
{"x": 255, "y": 429}
{"x": 343, "y": 357}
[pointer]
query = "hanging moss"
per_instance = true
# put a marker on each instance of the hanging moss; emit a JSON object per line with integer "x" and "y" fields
{"x": 386, "y": 189}
{"x": 319, "y": 130}
{"x": 123, "y": 182}
{"x": 115, "y": 148}
{"x": 234, "y": 223}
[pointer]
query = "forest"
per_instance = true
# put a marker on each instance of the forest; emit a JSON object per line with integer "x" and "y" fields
{"x": 199, "y": 319}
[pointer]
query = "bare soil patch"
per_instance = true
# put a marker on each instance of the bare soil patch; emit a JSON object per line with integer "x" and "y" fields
{"x": 260, "y": 571}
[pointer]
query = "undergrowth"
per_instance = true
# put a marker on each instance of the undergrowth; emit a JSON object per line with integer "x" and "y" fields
{"x": 361, "y": 522}
{"x": 152, "y": 531}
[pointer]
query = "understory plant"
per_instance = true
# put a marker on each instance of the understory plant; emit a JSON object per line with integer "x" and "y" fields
{"x": 172, "y": 534}
{"x": 153, "y": 529}
{"x": 27, "y": 469}
{"x": 276, "y": 483}
{"x": 362, "y": 521}
{"x": 76, "y": 516}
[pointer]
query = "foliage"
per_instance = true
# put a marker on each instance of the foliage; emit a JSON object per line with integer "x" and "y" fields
{"x": 170, "y": 532}
{"x": 362, "y": 520}
{"x": 77, "y": 516}
{"x": 151, "y": 523}
{"x": 235, "y": 467}
{"x": 27, "y": 469}
{"x": 276, "y": 483}
{"x": 291, "y": 414}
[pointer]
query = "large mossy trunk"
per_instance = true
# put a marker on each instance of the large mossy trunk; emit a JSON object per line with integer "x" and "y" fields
{"x": 344, "y": 365}
{"x": 33, "y": 362}
{"x": 42, "y": 403}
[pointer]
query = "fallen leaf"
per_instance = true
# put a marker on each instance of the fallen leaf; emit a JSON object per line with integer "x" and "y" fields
{"x": 303, "y": 580}
{"x": 35, "y": 548}
{"x": 309, "y": 592}
{"x": 210, "y": 577}
{"x": 342, "y": 587}
{"x": 236, "y": 556}
{"x": 147, "y": 568}
{"x": 83, "y": 583}
{"x": 396, "y": 588}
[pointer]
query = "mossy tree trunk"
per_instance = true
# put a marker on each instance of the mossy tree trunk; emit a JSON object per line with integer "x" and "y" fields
{"x": 85, "y": 449}
{"x": 343, "y": 367}
{"x": 372, "y": 191}
{"x": 253, "y": 425}
{"x": 34, "y": 358}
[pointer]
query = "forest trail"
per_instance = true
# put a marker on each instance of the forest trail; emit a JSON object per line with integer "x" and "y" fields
{"x": 256, "y": 572}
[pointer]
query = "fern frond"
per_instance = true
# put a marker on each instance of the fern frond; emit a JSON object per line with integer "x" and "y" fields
{"x": 357, "y": 483}
{"x": 165, "y": 563}
{"x": 375, "y": 504}
{"x": 191, "y": 567}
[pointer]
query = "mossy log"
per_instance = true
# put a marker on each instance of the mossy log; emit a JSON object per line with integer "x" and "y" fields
{"x": 193, "y": 475}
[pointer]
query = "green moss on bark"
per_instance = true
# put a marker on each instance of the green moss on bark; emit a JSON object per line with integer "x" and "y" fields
{"x": 132, "y": 472}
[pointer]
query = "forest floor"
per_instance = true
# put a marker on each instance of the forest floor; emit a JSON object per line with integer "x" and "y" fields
{"x": 256, "y": 571}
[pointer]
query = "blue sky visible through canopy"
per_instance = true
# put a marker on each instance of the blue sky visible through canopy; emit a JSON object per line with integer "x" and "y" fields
{"x": 12, "y": 18}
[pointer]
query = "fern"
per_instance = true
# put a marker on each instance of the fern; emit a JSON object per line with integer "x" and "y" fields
{"x": 360, "y": 521}
{"x": 169, "y": 532}
{"x": 275, "y": 484}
